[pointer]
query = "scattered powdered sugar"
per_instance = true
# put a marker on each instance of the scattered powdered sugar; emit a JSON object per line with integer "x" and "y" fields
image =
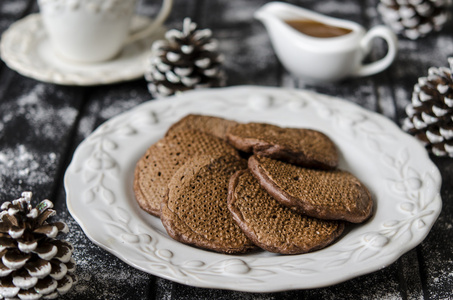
{"x": 13, "y": 7}
{"x": 100, "y": 274}
{"x": 9, "y": 11}
{"x": 440, "y": 277}
{"x": 148, "y": 8}
{"x": 97, "y": 112}
{"x": 42, "y": 117}
{"x": 27, "y": 169}
{"x": 26, "y": 165}
{"x": 237, "y": 55}
{"x": 402, "y": 96}
{"x": 239, "y": 11}
{"x": 119, "y": 105}
{"x": 337, "y": 7}
{"x": 438, "y": 261}
{"x": 445, "y": 48}
{"x": 86, "y": 126}
{"x": 421, "y": 54}
{"x": 254, "y": 49}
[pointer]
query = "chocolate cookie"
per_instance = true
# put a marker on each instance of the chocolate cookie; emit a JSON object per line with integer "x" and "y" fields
{"x": 195, "y": 210}
{"x": 161, "y": 161}
{"x": 304, "y": 147}
{"x": 272, "y": 226}
{"x": 324, "y": 194}
{"x": 212, "y": 125}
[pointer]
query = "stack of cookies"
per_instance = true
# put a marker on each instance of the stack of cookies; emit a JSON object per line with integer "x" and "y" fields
{"x": 233, "y": 188}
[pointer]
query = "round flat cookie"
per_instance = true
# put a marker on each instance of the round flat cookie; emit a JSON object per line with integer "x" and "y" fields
{"x": 324, "y": 194}
{"x": 195, "y": 211}
{"x": 304, "y": 147}
{"x": 213, "y": 125}
{"x": 161, "y": 161}
{"x": 272, "y": 226}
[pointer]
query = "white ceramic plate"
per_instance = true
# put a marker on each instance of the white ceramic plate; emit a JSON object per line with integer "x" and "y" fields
{"x": 25, "y": 47}
{"x": 403, "y": 181}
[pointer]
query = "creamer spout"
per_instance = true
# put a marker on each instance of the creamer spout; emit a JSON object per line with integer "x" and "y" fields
{"x": 263, "y": 14}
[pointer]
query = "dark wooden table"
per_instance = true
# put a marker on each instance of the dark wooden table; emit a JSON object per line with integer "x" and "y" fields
{"x": 41, "y": 124}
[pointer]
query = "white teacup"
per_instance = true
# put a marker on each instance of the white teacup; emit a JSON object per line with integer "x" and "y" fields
{"x": 90, "y": 31}
{"x": 323, "y": 58}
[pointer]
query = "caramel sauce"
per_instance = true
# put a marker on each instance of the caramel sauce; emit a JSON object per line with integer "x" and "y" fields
{"x": 317, "y": 29}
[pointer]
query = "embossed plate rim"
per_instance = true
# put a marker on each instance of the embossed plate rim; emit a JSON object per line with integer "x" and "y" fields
{"x": 404, "y": 182}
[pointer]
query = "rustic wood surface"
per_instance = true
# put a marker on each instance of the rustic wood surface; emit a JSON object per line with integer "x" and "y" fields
{"x": 41, "y": 124}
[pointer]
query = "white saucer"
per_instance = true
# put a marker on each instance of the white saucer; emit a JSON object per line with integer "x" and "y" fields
{"x": 25, "y": 47}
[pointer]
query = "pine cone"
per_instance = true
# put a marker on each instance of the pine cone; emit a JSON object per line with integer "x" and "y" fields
{"x": 414, "y": 18}
{"x": 430, "y": 116}
{"x": 186, "y": 60}
{"x": 33, "y": 264}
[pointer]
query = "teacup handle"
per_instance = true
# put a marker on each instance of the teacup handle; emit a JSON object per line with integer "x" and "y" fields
{"x": 148, "y": 30}
{"x": 378, "y": 66}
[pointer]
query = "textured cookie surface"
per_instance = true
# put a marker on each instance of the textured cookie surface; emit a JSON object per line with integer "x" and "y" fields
{"x": 272, "y": 226}
{"x": 195, "y": 211}
{"x": 325, "y": 194}
{"x": 299, "y": 146}
{"x": 160, "y": 162}
{"x": 212, "y": 125}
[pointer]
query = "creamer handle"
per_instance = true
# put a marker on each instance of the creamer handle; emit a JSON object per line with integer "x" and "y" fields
{"x": 380, "y": 65}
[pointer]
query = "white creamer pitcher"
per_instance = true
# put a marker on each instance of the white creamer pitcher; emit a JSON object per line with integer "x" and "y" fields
{"x": 323, "y": 58}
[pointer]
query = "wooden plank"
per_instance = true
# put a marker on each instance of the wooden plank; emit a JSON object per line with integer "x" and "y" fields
{"x": 436, "y": 249}
{"x": 35, "y": 123}
{"x": 249, "y": 58}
